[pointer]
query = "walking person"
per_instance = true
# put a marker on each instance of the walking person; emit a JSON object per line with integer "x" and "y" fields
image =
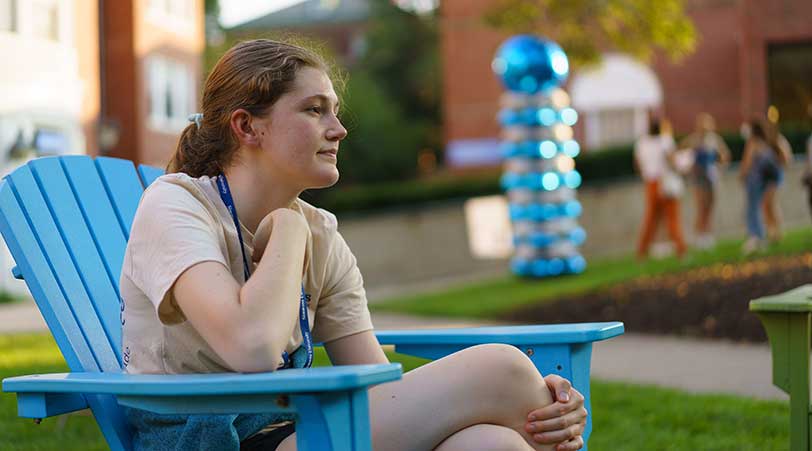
{"x": 653, "y": 157}
{"x": 766, "y": 154}
{"x": 709, "y": 153}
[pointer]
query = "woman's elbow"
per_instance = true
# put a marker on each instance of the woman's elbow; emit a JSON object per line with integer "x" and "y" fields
{"x": 250, "y": 353}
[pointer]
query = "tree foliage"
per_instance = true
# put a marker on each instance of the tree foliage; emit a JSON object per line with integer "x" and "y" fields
{"x": 585, "y": 28}
{"x": 392, "y": 101}
{"x": 402, "y": 56}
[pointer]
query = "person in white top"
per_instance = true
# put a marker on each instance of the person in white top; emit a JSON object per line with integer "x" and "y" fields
{"x": 227, "y": 270}
{"x": 653, "y": 158}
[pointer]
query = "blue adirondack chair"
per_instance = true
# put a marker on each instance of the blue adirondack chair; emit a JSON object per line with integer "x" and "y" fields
{"x": 66, "y": 221}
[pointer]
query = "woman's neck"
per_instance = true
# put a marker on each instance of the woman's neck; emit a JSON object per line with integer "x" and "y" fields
{"x": 255, "y": 194}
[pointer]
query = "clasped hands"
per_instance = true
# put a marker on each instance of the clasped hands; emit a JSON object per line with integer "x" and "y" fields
{"x": 562, "y": 422}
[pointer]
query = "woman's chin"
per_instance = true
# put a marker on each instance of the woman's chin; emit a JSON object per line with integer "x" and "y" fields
{"x": 326, "y": 179}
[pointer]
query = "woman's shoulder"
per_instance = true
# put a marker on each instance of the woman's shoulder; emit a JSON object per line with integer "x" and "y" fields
{"x": 174, "y": 190}
{"x": 319, "y": 219}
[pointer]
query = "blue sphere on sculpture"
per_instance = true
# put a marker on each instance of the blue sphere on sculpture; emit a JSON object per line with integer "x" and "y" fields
{"x": 529, "y": 64}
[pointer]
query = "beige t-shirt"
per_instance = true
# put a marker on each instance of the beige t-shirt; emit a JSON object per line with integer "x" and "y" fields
{"x": 182, "y": 221}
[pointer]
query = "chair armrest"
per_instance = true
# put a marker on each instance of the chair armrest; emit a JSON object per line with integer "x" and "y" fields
{"x": 199, "y": 393}
{"x": 514, "y": 335}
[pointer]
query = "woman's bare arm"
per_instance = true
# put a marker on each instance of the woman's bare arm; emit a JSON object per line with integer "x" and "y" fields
{"x": 357, "y": 349}
{"x": 249, "y": 326}
{"x": 747, "y": 159}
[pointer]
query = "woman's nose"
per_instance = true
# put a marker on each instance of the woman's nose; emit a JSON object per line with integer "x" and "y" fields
{"x": 336, "y": 132}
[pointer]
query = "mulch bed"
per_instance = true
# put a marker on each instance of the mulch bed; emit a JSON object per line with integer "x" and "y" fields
{"x": 707, "y": 302}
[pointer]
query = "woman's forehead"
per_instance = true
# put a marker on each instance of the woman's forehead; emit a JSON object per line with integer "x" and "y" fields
{"x": 311, "y": 82}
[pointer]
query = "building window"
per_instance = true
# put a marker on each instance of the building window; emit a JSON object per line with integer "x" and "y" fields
{"x": 8, "y": 15}
{"x": 617, "y": 126}
{"x": 171, "y": 94}
{"x": 175, "y": 15}
{"x": 45, "y": 19}
{"x": 789, "y": 69}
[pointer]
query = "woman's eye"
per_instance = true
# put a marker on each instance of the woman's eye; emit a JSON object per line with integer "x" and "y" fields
{"x": 315, "y": 109}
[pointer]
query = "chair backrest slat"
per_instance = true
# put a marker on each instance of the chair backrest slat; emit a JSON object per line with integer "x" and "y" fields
{"x": 149, "y": 174}
{"x": 123, "y": 188}
{"x": 70, "y": 212}
{"x": 66, "y": 221}
{"x": 99, "y": 210}
{"x": 32, "y": 263}
{"x": 61, "y": 260}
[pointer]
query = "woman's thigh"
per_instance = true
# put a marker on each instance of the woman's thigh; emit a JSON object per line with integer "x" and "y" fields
{"x": 768, "y": 198}
{"x": 494, "y": 385}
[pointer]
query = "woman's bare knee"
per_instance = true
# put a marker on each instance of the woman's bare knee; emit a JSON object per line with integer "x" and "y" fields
{"x": 507, "y": 381}
{"x": 493, "y": 384}
{"x": 505, "y": 366}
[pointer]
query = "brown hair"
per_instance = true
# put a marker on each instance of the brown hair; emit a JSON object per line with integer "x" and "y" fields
{"x": 767, "y": 132}
{"x": 252, "y": 75}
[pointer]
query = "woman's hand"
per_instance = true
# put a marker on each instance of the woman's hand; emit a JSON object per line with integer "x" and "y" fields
{"x": 265, "y": 227}
{"x": 562, "y": 422}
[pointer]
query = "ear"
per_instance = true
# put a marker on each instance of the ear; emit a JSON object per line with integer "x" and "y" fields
{"x": 240, "y": 123}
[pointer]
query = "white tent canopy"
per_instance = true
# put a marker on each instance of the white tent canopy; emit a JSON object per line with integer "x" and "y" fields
{"x": 619, "y": 81}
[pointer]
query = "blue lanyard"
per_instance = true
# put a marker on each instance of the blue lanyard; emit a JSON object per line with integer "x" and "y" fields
{"x": 298, "y": 360}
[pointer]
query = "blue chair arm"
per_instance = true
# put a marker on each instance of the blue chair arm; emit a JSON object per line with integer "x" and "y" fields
{"x": 563, "y": 349}
{"x": 331, "y": 404}
{"x": 192, "y": 393}
{"x": 437, "y": 343}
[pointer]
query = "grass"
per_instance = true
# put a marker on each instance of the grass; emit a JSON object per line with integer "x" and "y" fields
{"x": 627, "y": 417}
{"x": 491, "y": 298}
{"x": 7, "y": 296}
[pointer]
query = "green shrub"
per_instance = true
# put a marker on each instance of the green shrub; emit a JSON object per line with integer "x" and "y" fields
{"x": 382, "y": 143}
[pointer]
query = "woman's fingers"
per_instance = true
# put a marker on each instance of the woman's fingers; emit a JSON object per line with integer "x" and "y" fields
{"x": 571, "y": 445}
{"x": 558, "y": 423}
{"x": 559, "y": 387}
{"x": 557, "y": 409}
{"x": 560, "y": 436}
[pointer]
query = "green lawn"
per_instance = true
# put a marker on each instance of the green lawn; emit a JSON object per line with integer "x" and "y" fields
{"x": 490, "y": 298}
{"x": 627, "y": 417}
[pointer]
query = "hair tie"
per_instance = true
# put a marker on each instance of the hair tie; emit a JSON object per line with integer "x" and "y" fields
{"x": 196, "y": 118}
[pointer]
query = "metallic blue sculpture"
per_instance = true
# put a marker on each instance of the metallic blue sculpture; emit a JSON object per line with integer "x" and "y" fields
{"x": 530, "y": 65}
{"x": 540, "y": 179}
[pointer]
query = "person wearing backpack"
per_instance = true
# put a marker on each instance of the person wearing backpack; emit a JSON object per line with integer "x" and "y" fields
{"x": 766, "y": 155}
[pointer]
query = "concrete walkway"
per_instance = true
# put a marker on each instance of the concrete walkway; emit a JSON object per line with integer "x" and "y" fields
{"x": 699, "y": 366}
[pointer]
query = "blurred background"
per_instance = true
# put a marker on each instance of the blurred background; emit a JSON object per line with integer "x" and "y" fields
{"x": 119, "y": 78}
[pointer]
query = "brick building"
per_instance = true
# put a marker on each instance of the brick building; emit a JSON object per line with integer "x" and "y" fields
{"x": 341, "y": 23}
{"x": 751, "y": 54}
{"x": 96, "y": 77}
{"x": 152, "y": 65}
{"x": 100, "y": 77}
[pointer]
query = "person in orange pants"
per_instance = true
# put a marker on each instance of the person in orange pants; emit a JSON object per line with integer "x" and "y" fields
{"x": 658, "y": 206}
{"x": 652, "y": 155}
